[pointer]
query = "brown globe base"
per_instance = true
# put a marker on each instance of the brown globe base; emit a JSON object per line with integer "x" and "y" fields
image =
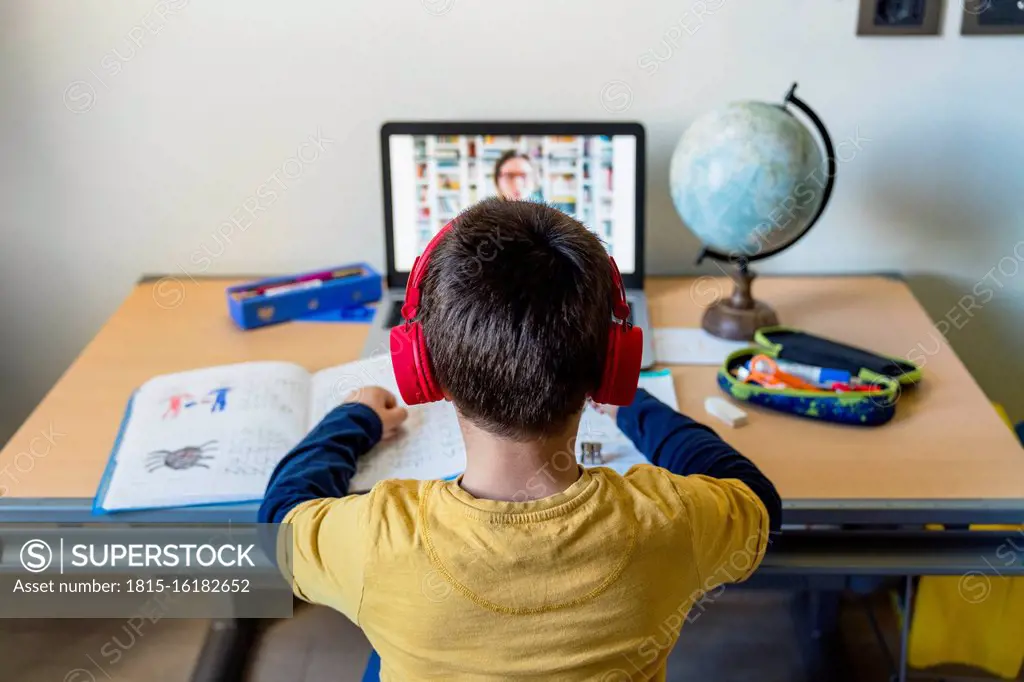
{"x": 739, "y": 316}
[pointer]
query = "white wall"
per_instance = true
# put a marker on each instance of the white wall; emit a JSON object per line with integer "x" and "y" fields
{"x": 134, "y": 168}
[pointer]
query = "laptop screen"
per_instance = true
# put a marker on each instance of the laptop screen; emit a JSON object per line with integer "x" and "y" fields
{"x": 432, "y": 176}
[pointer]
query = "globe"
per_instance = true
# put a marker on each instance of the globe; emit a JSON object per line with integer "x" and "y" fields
{"x": 749, "y": 179}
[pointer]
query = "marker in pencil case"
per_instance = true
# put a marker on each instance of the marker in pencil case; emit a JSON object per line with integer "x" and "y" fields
{"x": 293, "y": 286}
{"x": 822, "y": 376}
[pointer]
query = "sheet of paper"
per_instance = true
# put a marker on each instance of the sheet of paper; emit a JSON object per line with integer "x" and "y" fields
{"x": 617, "y": 451}
{"x": 429, "y": 446}
{"x": 209, "y": 435}
{"x": 692, "y": 346}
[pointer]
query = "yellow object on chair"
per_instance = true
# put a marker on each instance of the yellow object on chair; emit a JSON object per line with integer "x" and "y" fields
{"x": 973, "y": 619}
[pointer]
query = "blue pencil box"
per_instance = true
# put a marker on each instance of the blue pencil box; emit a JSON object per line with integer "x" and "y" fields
{"x": 280, "y": 299}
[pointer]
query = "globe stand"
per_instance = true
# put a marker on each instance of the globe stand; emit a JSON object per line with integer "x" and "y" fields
{"x": 739, "y": 316}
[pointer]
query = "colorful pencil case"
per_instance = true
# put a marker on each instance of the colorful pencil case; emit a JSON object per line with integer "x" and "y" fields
{"x": 888, "y": 375}
{"x": 280, "y": 299}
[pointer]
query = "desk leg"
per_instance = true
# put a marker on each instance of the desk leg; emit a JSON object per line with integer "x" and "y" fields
{"x": 225, "y": 652}
{"x": 908, "y": 606}
{"x": 820, "y": 634}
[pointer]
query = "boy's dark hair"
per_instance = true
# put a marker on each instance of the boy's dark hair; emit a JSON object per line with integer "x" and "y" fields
{"x": 516, "y": 308}
{"x": 508, "y": 156}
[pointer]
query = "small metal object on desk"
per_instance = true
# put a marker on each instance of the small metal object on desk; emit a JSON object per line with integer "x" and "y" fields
{"x": 592, "y": 452}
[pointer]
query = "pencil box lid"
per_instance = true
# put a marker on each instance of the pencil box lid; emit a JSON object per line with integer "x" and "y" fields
{"x": 794, "y": 345}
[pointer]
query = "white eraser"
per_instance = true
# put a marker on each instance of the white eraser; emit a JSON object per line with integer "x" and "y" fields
{"x": 725, "y": 411}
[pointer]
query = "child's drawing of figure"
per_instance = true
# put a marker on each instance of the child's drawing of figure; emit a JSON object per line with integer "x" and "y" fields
{"x": 221, "y": 400}
{"x": 175, "y": 403}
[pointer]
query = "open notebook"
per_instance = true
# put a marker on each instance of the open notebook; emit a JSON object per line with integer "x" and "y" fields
{"x": 214, "y": 436}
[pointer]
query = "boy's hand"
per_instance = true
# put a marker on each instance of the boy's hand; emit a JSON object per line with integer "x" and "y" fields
{"x": 611, "y": 410}
{"x": 383, "y": 402}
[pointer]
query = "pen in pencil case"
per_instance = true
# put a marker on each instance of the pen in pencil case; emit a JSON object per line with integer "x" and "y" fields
{"x": 278, "y": 289}
{"x": 823, "y": 376}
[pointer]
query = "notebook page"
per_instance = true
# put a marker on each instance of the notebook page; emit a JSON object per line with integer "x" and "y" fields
{"x": 208, "y": 435}
{"x": 429, "y": 445}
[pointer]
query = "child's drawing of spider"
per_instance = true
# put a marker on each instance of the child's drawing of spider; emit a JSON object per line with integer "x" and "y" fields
{"x": 187, "y": 457}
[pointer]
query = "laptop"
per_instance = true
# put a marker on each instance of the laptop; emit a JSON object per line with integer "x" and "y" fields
{"x": 434, "y": 170}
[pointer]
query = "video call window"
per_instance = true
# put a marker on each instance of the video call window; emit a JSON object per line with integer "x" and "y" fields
{"x": 591, "y": 177}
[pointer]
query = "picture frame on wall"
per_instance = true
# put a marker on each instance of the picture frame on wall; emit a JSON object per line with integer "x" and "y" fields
{"x": 900, "y": 17}
{"x": 992, "y": 17}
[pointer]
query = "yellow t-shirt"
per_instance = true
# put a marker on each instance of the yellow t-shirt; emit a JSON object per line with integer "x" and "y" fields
{"x": 593, "y": 583}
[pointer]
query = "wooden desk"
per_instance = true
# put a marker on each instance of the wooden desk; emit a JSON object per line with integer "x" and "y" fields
{"x": 946, "y": 442}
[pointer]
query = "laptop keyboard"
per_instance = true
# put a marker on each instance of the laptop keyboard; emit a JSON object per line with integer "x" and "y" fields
{"x": 394, "y": 317}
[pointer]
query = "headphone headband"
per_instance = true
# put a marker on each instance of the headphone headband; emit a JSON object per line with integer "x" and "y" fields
{"x": 619, "y": 306}
{"x": 419, "y": 269}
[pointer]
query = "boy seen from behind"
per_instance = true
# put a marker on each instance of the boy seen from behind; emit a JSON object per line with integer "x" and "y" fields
{"x": 528, "y": 565}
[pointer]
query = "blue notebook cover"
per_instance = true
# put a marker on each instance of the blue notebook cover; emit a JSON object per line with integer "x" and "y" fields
{"x": 108, "y": 471}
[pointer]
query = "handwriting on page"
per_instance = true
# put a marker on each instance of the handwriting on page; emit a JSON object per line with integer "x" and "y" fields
{"x": 429, "y": 446}
{"x": 332, "y": 386}
{"x": 255, "y": 451}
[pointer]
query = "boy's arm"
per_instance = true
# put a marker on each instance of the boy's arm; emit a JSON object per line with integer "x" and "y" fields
{"x": 323, "y": 463}
{"x": 686, "y": 447}
{"x": 329, "y": 530}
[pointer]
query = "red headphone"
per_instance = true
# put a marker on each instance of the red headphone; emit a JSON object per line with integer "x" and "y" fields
{"x": 411, "y": 359}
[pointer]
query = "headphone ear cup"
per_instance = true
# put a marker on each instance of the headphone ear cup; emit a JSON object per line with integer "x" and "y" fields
{"x": 403, "y": 362}
{"x": 425, "y": 371}
{"x": 411, "y": 363}
{"x": 621, "y": 366}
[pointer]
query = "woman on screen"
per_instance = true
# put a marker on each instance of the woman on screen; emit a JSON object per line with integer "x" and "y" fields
{"x": 516, "y": 178}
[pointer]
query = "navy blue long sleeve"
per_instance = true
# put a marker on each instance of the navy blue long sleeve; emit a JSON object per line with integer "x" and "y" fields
{"x": 683, "y": 446}
{"x": 323, "y": 463}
